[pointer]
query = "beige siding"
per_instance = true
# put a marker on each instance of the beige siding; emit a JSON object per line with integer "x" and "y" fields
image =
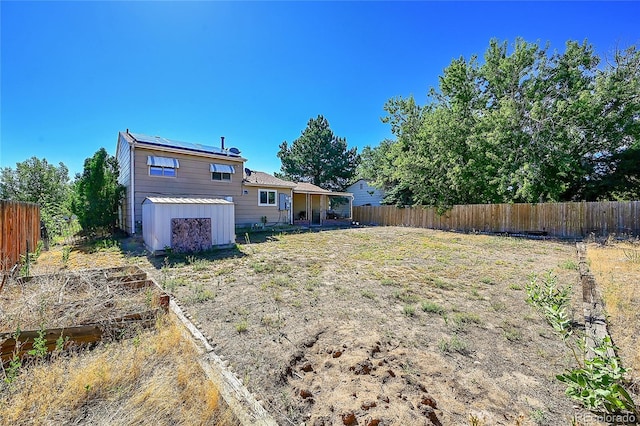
{"x": 248, "y": 212}
{"x": 299, "y": 205}
{"x": 314, "y": 206}
{"x": 193, "y": 179}
{"x": 123, "y": 157}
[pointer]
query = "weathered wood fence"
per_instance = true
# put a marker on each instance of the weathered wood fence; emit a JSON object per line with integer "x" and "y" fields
{"x": 566, "y": 220}
{"x": 19, "y": 231}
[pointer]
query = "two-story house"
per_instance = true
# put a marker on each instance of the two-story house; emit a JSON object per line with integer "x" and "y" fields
{"x": 157, "y": 167}
{"x": 153, "y": 166}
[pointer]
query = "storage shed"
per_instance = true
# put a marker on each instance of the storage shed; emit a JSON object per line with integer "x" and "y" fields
{"x": 187, "y": 224}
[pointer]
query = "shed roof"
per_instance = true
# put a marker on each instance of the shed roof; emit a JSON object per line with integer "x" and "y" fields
{"x": 187, "y": 146}
{"x": 179, "y": 200}
{"x": 255, "y": 178}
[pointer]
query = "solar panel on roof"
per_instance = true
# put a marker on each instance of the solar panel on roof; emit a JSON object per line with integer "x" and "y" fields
{"x": 160, "y": 141}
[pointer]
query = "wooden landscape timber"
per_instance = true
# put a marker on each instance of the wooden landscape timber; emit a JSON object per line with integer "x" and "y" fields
{"x": 14, "y": 344}
{"x": 246, "y": 408}
{"x": 595, "y": 320}
{"x": 128, "y": 278}
{"x": 123, "y": 274}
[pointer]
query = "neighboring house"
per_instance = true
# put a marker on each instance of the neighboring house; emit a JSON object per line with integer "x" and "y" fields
{"x": 157, "y": 167}
{"x": 153, "y": 166}
{"x": 364, "y": 194}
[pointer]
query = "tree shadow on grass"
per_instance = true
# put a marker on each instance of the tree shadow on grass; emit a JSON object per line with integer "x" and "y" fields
{"x": 173, "y": 258}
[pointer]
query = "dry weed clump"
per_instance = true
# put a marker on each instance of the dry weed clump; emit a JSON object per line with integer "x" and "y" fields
{"x": 68, "y": 299}
{"x": 151, "y": 379}
{"x": 617, "y": 271}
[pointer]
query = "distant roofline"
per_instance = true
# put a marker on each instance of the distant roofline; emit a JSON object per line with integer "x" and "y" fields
{"x": 267, "y": 184}
{"x": 284, "y": 183}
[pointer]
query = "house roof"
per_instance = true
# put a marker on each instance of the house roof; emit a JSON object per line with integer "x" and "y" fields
{"x": 358, "y": 180}
{"x": 255, "y": 178}
{"x": 161, "y": 142}
{"x": 179, "y": 200}
{"x": 309, "y": 188}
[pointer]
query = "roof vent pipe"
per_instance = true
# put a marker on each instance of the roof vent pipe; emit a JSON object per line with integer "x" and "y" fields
{"x": 222, "y": 142}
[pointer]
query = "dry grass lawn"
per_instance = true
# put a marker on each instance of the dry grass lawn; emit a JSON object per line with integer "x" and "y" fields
{"x": 368, "y": 326}
{"x": 384, "y": 325}
{"x": 151, "y": 378}
{"x": 617, "y": 271}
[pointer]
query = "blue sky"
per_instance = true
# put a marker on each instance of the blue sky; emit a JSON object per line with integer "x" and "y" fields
{"x": 73, "y": 74}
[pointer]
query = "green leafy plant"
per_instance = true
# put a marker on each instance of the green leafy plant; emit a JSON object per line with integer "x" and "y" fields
{"x": 15, "y": 364}
{"x": 39, "y": 348}
{"x": 538, "y": 416}
{"x": 61, "y": 341}
{"x": 197, "y": 264}
{"x": 96, "y": 193}
{"x": 25, "y": 265}
{"x": 12, "y": 370}
{"x": 569, "y": 265}
{"x": 66, "y": 252}
{"x": 598, "y": 384}
{"x": 553, "y": 301}
{"x": 512, "y": 334}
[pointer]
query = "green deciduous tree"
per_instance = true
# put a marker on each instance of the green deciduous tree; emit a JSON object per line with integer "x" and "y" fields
{"x": 318, "y": 157}
{"x": 525, "y": 125}
{"x": 97, "y": 193}
{"x": 36, "y": 181}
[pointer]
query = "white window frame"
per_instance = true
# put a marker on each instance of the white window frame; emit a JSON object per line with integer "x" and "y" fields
{"x": 222, "y": 177}
{"x": 162, "y": 165}
{"x": 162, "y": 170}
{"x": 267, "y": 204}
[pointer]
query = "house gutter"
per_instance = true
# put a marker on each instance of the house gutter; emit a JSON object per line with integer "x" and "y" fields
{"x": 132, "y": 180}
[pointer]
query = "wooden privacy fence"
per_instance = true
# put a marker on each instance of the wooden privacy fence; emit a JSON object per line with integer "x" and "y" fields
{"x": 19, "y": 231}
{"x": 566, "y": 220}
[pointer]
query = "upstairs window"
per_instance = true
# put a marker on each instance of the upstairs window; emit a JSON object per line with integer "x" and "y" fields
{"x": 162, "y": 166}
{"x": 223, "y": 177}
{"x": 267, "y": 197}
{"x": 221, "y": 172}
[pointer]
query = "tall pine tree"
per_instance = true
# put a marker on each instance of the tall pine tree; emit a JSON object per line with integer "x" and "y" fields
{"x": 318, "y": 157}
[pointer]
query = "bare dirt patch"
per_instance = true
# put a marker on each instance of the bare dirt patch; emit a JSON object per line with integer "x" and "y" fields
{"x": 379, "y": 326}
